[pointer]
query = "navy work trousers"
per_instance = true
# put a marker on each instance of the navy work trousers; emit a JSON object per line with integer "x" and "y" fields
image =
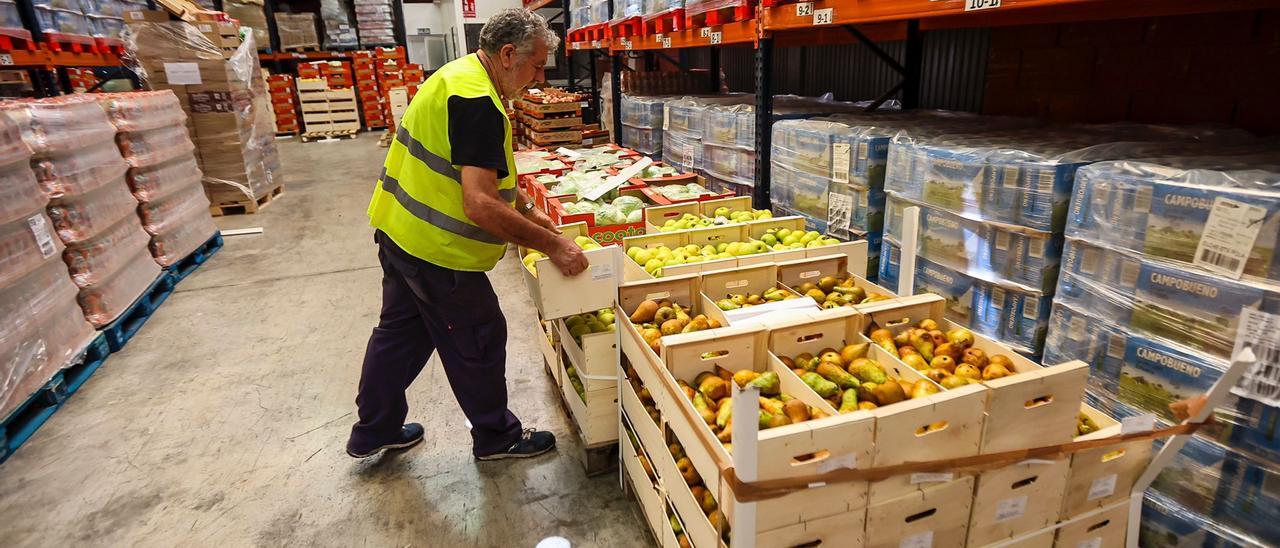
{"x": 428, "y": 308}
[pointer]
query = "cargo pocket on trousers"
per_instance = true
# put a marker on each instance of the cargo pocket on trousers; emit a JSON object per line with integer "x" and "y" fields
{"x": 481, "y": 344}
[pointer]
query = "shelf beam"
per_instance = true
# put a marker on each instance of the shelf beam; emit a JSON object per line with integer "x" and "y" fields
{"x": 764, "y": 126}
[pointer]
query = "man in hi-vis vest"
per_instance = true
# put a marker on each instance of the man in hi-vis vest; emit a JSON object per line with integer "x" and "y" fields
{"x": 444, "y": 208}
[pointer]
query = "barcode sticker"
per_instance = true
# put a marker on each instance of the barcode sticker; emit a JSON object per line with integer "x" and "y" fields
{"x": 839, "y": 211}
{"x": 1115, "y": 346}
{"x": 1138, "y": 423}
{"x": 666, "y": 117}
{"x": 1011, "y": 508}
{"x": 603, "y": 271}
{"x": 1031, "y": 307}
{"x": 918, "y": 540}
{"x": 1129, "y": 274}
{"x": 44, "y": 238}
{"x": 690, "y": 154}
{"x": 840, "y": 162}
{"x": 1089, "y": 261}
{"x": 1142, "y": 200}
{"x": 1009, "y": 179}
{"x": 1076, "y": 331}
{"x": 1095, "y": 542}
{"x": 1228, "y": 236}
{"x": 1104, "y": 486}
{"x": 931, "y": 477}
{"x": 1002, "y": 241}
{"x": 716, "y": 38}
{"x": 862, "y": 152}
{"x": 1261, "y": 332}
{"x": 849, "y": 461}
{"x": 1037, "y": 248}
{"x": 666, "y": 42}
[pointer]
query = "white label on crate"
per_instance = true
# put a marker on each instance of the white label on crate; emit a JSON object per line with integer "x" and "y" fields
{"x": 600, "y": 272}
{"x": 566, "y": 152}
{"x": 595, "y": 44}
{"x": 666, "y": 42}
{"x": 1138, "y": 423}
{"x": 666, "y": 117}
{"x": 931, "y": 477}
{"x": 824, "y": 16}
{"x": 137, "y": 15}
{"x": 1009, "y": 179}
{"x": 535, "y": 91}
{"x": 6, "y": 59}
{"x": 1115, "y": 346}
{"x": 1228, "y": 236}
{"x": 1104, "y": 486}
{"x": 577, "y": 45}
{"x": 704, "y": 32}
{"x": 179, "y": 74}
{"x": 1036, "y": 248}
{"x": 44, "y": 239}
{"x": 1095, "y": 542}
{"x": 918, "y": 540}
{"x": 816, "y": 484}
{"x": 975, "y": 5}
{"x": 205, "y": 27}
{"x": 1011, "y": 508}
{"x": 1261, "y": 331}
{"x": 804, "y": 9}
{"x": 716, "y": 37}
{"x": 1031, "y": 307}
{"x": 839, "y": 211}
{"x": 840, "y": 162}
{"x": 849, "y": 461}
{"x": 1142, "y": 200}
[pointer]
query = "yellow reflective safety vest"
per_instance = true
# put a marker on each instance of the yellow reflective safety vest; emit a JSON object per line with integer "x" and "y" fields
{"x": 418, "y": 199}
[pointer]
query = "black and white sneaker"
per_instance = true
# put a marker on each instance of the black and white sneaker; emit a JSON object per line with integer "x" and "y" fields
{"x": 531, "y": 444}
{"x": 410, "y": 435}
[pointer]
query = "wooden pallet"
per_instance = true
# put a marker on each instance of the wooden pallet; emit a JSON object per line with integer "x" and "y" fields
{"x": 330, "y": 135}
{"x": 247, "y": 207}
{"x": 308, "y": 47}
{"x": 385, "y": 140}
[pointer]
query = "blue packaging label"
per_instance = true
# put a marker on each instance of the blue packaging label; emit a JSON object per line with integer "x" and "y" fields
{"x": 989, "y": 303}
{"x": 1026, "y": 319}
{"x": 1249, "y": 497}
{"x": 953, "y": 286}
{"x": 890, "y": 257}
{"x": 1076, "y": 335}
{"x": 1201, "y": 311}
{"x": 1259, "y": 430}
{"x": 1178, "y": 217}
{"x": 1156, "y": 374}
{"x": 1193, "y": 478}
{"x": 955, "y": 241}
{"x": 1165, "y": 527}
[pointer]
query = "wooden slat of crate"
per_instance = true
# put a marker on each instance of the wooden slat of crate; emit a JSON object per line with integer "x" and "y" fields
{"x": 1105, "y": 475}
{"x": 647, "y": 491}
{"x": 939, "y": 513}
{"x": 550, "y": 108}
{"x": 595, "y": 413}
{"x": 555, "y": 137}
{"x": 1016, "y": 500}
{"x": 548, "y": 124}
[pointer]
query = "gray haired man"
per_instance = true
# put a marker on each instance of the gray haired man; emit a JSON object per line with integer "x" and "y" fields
{"x": 444, "y": 209}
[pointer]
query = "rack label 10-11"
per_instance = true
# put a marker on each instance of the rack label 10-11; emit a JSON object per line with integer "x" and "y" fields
{"x": 974, "y": 5}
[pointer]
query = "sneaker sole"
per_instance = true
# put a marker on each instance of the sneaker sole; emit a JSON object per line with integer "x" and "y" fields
{"x": 501, "y": 456}
{"x": 386, "y": 448}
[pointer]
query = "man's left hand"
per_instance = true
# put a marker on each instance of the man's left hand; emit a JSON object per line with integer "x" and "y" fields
{"x": 541, "y": 219}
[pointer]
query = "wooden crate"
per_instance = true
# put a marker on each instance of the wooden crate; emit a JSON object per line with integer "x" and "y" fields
{"x": 1035, "y": 406}
{"x": 1102, "y": 528}
{"x": 812, "y": 269}
{"x": 596, "y": 359}
{"x": 550, "y": 108}
{"x": 1103, "y": 476}
{"x": 777, "y": 447}
{"x": 752, "y": 280}
{"x": 551, "y": 138}
{"x": 937, "y": 517}
{"x": 1017, "y": 500}
{"x": 552, "y": 124}
{"x": 648, "y": 492}
{"x": 856, "y": 250}
{"x": 1043, "y": 539}
{"x": 595, "y": 413}
{"x": 549, "y": 343}
{"x": 556, "y": 296}
{"x": 955, "y": 417}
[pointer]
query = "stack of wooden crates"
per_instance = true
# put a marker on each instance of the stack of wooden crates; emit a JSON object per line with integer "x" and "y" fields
{"x": 327, "y": 111}
{"x": 280, "y": 86}
{"x": 549, "y": 124}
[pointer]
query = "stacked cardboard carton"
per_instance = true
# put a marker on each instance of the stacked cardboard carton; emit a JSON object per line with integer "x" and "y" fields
{"x": 250, "y": 14}
{"x": 163, "y": 174}
{"x": 375, "y": 20}
{"x": 80, "y": 170}
{"x": 338, "y": 30}
{"x": 327, "y": 110}
{"x": 297, "y": 31}
{"x": 226, "y": 101}
{"x": 42, "y": 326}
{"x": 280, "y": 86}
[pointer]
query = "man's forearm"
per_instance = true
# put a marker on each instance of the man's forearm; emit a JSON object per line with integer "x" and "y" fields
{"x": 502, "y": 221}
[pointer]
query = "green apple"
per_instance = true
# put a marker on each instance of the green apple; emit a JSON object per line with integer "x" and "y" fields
{"x": 764, "y": 214}
{"x": 783, "y": 233}
{"x": 632, "y": 252}
{"x": 759, "y": 247}
{"x": 721, "y": 211}
{"x": 652, "y": 264}
{"x": 790, "y": 239}
{"x": 723, "y": 255}
{"x": 722, "y": 247}
{"x": 709, "y": 250}
{"x": 769, "y": 240}
{"x": 642, "y": 255}
{"x": 734, "y": 248}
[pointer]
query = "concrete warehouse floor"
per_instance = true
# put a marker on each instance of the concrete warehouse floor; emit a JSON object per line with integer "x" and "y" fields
{"x": 224, "y": 421}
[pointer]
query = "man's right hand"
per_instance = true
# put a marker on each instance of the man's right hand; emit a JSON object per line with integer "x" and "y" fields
{"x": 569, "y": 258}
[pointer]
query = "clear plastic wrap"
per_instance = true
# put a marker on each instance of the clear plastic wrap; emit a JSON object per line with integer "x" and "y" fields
{"x": 153, "y": 147}
{"x": 297, "y": 30}
{"x": 43, "y": 329}
{"x": 681, "y": 152}
{"x": 1161, "y": 207}
{"x": 627, "y": 8}
{"x": 730, "y": 164}
{"x": 642, "y": 139}
{"x": 155, "y": 182}
{"x": 62, "y": 21}
{"x": 642, "y": 112}
{"x": 84, "y": 216}
{"x": 251, "y": 14}
{"x": 20, "y": 194}
{"x": 184, "y": 237}
{"x": 93, "y": 261}
{"x": 1021, "y": 177}
{"x": 652, "y": 7}
{"x": 69, "y": 174}
{"x": 25, "y": 243}
{"x": 599, "y": 12}
{"x": 235, "y": 135}
{"x": 104, "y": 302}
{"x": 60, "y": 124}
{"x": 143, "y": 110}
{"x": 163, "y": 215}
{"x": 105, "y": 27}
{"x": 10, "y": 18}
{"x": 703, "y": 6}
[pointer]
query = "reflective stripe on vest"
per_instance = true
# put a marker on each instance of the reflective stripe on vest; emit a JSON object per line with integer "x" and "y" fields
{"x": 438, "y": 164}
{"x": 433, "y": 217}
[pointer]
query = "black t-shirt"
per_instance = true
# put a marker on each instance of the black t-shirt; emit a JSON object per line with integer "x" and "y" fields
{"x": 477, "y": 135}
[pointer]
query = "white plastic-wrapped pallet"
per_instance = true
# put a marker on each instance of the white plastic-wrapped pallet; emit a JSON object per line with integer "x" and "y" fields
{"x": 41, "y": 325}
{"x": 80, "y": 170}
{"x": 162, "y": 175}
